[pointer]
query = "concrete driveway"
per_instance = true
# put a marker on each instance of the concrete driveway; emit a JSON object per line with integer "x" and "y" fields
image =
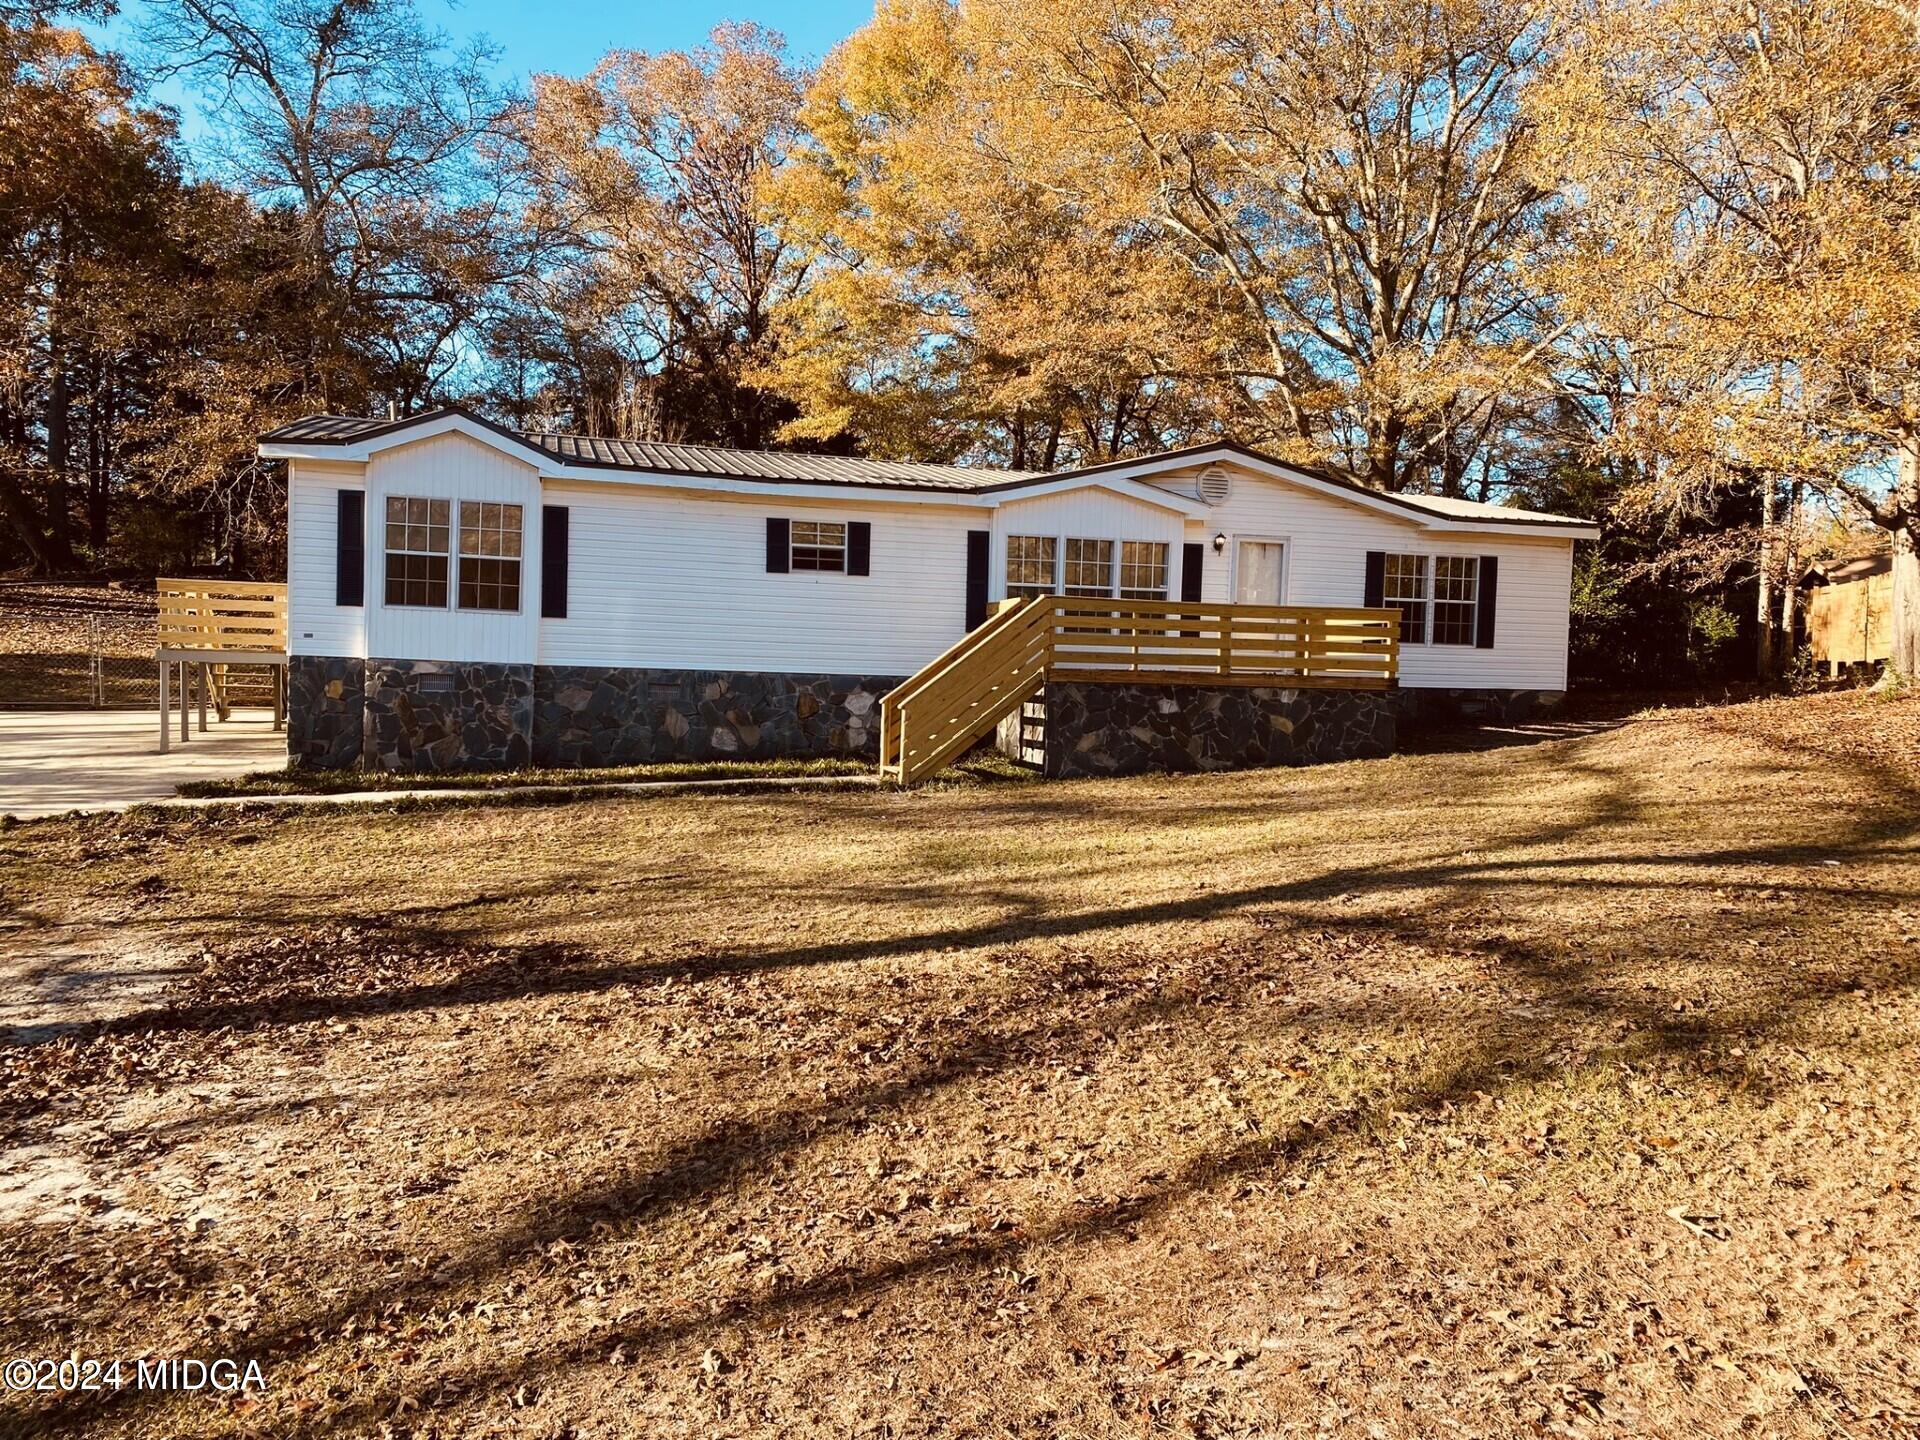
{"x": 53, "y": 761}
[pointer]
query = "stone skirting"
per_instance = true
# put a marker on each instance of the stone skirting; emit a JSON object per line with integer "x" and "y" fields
{"x": 325, "y": 699}
{"x": 441, "y": 715}
{"x": 446, "y": 715}
{"x": 1129, "y": 729}
{"x": 598, "y": 715}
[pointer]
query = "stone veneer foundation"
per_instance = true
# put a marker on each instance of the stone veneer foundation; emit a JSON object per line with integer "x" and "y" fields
{"x": 446, "y": 715}
{"x": 1129, "y": 729}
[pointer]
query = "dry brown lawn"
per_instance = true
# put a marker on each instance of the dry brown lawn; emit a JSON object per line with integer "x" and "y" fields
{"x": 1561, "y": 1089}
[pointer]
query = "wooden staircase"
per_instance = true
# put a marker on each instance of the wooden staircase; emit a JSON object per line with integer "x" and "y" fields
{"x": 934, "y": 717}
{"x": 994, "y": 671}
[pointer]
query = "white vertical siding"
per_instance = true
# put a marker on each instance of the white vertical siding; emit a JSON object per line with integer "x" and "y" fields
{"x": 315, "y": 625}
{"x": 662, "y": 579}
{"x": 455, "y": 468}
{"x": 1327, "y": 543}
{"x": 1086, "y": 514}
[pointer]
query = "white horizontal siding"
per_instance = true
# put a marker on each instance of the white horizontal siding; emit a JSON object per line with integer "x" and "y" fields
{"x": 658, "y": 579}
{"x": 455, "y": 468}
{"x": 1327, "y": 545}
{"x": 666, "y": 579}
{"x": 315, "y": 625}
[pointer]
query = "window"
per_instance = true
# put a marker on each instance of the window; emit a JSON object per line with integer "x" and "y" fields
{"x": 820, "y": 545}
{"x": 489, "y": 556}
{"x": 1456, "y": 596}
{"x": 1143, "y": 570}
{"x": 1030, "y": 566}
{"x": 1089, "y": 567}
{"x": 1406, "y": 586}
{"x": 416, "y": 551}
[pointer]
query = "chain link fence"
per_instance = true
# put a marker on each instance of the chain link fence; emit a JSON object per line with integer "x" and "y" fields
{"x": 76, "y": 645}
{"x": 68, "y": 645}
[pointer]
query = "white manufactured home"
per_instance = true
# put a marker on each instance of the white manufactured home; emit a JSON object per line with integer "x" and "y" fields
{"x": 464, "y": 595}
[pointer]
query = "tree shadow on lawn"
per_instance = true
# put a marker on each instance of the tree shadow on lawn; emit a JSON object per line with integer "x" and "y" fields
{"x": 1505, "y": 1052}
{"x": 480, "y": 971}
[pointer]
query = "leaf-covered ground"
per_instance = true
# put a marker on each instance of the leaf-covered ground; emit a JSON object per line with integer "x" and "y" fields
{"x": 1565, "y": 1088}
{"x": 48, "y": 631}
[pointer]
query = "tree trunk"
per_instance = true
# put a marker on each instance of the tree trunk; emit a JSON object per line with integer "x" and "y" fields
{"x": 1769, "y": 520}
{"x": 1904, "y": 655}
{"x": 26, "y": 524}
{"x": 59, "y": 420}
{"x": 1790, "y": 576}
{"x": 99, "y": 417}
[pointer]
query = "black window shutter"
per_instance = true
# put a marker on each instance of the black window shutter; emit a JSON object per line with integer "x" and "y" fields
{"x": 977, "y": 545}
{"x": 778, "y": 551}
{"x": 1192, "y": 558}
{"x": 350, "y": 549}
{"x": 1489, "y": 600}
{"x": 859, "y": 547}
{"x": 553, "y": 562}
{"x": 1376, "y": 580}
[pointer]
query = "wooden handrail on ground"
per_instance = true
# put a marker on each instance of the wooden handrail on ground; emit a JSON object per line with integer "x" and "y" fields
{"x": 934, "y": 716}
{"x": 206, "y": 626}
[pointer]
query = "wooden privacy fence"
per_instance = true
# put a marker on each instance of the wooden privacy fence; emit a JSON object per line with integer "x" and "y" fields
{"x": 934, "y": 716}
{"x": 206, "y": 626}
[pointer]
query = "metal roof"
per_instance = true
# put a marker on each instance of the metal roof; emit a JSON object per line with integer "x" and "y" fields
{"x": 659, "y": 458}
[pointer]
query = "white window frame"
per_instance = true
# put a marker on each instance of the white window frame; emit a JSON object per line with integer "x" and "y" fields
{"x": 460, "y": 556}
{"x": 1111, "y": 566}
{"x": 1470, "y": 605}
{"x": 1052, "y": 542}
{"x": 1143, "y": 592}
{"x": 387, "y": 551}
{"x": 1423, "y": 601}
{"x": 1430, "y": 599}
{"x": 819, "y": 545}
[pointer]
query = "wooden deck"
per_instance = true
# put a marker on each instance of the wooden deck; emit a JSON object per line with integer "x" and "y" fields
{"x": 935, "y": 715}
{"x": 206, "y": 627}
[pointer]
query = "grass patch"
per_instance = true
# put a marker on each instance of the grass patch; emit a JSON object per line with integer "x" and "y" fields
{"x": 1560, "y": 1089}
{"x": 268, "y": 783}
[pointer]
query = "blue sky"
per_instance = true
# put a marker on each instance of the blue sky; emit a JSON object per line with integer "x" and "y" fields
{"x": 569, "y": 35}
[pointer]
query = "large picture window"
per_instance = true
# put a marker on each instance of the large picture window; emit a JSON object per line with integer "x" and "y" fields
{"x": 1089, "y": 568}
{"x": 417, "y": 551}
{"x": 1030, "y": 566}
{"x": 489, "y": 556}
{"x": 1143, "y": 570}
{"x": 1406, "y": 587}
{"x": 820, "y": 546}
{"x": 1456, "y": 598}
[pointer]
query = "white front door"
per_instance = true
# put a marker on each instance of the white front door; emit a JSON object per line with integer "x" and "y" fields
{"x": 1259, "y": 572}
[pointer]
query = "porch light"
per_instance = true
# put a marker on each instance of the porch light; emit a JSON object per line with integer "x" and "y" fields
{"x": 1220, "y": 544}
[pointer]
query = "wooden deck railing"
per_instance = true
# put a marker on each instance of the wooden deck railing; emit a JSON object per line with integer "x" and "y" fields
{"x": 934, "y": 716}
{"x": 222, "y": 616}
{"x": 205, "y": 626}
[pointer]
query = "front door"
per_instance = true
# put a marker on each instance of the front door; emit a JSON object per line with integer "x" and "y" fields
{"x": 1259, "y": 572}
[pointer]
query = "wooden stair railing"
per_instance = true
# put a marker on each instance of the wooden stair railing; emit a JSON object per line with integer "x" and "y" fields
{"x": 934, "y": 716}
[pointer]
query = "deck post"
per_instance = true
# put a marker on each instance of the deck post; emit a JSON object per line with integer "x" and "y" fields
{"x": 185, "y": 681}
{"x": 165, "y": 666}
{"x": 200, "y": 693}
